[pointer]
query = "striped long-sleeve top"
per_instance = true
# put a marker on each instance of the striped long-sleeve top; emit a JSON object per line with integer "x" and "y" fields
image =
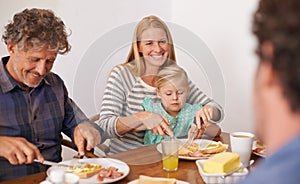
{"x": 123, "y": 96}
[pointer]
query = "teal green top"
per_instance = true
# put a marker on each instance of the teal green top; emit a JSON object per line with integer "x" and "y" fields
{"x": 180, "y": 124}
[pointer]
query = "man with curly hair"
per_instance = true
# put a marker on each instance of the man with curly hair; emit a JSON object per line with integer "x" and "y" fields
{"x": 34, "y": 103}
{"x": 277, "y": 91}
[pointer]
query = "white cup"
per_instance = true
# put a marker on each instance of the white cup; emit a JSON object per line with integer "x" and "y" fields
{"x": 241, "y": 143}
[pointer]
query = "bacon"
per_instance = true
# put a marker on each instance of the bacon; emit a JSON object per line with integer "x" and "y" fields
{"x": 198, "y": 154}
{"x": 110, "y": 173}
{"x": 260, "y": 151}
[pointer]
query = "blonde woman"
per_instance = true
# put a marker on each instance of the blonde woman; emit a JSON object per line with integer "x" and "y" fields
{"x": 121, "y": 114}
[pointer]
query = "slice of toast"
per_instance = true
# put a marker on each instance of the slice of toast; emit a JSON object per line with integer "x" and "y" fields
{"x": 153, "y": 180}
{"x": 88, "y": 170}
{"x": 219, "y": 148}
{"x": 88, "y": 173}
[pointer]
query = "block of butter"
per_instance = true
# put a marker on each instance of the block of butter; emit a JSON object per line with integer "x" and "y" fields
{"x": 222, "y": 163}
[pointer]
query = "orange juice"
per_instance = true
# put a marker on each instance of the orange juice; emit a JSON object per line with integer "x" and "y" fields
{"x": 170, "y": 154}
{"x": 170, "y": 163}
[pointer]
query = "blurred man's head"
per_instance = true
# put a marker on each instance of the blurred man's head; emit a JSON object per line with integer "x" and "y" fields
{"x": 277, "y": 85}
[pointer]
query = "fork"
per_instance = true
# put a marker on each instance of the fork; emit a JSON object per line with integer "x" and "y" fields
{"x": 191, "y": 136}
{"x": 75, "y": 163}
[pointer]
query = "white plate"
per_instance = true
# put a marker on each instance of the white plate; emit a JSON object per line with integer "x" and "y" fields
{"x": 254, "y": 151}
{"x": 162, "y": 179}
{"x": 105, "y": 162}
{"x": 202, "y": 142}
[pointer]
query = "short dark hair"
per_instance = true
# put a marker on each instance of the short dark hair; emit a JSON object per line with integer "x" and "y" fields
{"x": 36, "y": 28}
{"x": 278, "y": 21}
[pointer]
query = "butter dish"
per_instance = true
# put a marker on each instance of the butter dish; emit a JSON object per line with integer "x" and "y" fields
{"x": 209, "y": 178}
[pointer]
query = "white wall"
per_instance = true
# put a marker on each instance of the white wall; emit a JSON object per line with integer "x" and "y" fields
{"x": 222, "y": 27}
{"x": 225, "y": 26}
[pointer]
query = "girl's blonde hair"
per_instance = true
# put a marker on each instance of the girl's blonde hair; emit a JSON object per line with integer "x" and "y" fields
{"x": 134, "y": 59}
{"x": 171, "y": 73}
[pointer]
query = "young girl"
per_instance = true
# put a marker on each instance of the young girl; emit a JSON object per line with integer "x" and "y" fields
{"x": 173, "y": 89}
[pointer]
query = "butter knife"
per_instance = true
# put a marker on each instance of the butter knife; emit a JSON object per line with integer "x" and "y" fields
{"x": 47, "y": 162}
{"x": 237, "y": 169}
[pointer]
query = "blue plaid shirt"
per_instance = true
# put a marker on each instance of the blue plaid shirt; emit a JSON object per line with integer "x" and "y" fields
{"x": 39, "y": 115}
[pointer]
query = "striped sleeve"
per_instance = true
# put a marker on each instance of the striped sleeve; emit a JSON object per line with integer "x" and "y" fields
{"x": 197, "y": 96}
{"x": 112, "y": 102}
{"x": 123, "y": 96}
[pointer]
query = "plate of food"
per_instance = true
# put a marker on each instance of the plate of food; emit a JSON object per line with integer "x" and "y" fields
{"x": 154, "y": 180}
{"x": 97, "y": 170}
{"x": 259, "y": 149}
{"x": 199, "y": 149}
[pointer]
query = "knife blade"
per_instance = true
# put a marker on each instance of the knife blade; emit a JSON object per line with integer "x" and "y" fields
{"x": 237, "y": 169}
{"x": 47, "y": 162}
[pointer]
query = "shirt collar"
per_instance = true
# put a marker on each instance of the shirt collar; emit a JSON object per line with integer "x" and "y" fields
{"x": 7, "y": 83}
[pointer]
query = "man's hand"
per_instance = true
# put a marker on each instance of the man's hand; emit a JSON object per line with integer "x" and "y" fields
{"x": 18, "y": 150}
{"x": 86, "y": 137}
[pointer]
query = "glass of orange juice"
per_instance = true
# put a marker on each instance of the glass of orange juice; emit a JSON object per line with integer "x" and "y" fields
{"x": 170, "y": 154}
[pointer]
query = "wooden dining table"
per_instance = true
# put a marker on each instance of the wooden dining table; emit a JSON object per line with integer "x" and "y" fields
{"x": 145, "y": 161}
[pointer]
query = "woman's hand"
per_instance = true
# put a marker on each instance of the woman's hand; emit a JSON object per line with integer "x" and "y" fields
{"x": 156, "y": 123}
{"x": 200, "y": 131}
{"x": 144, "y": 121}
{"x": 205, "y": 115}
{"x": 163, "y": 128}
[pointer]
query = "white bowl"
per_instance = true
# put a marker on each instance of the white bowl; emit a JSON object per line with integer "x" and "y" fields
{"x": 71, "y": 178}
{"x": 57, "y": 174}
{"x": 217, "y": 178}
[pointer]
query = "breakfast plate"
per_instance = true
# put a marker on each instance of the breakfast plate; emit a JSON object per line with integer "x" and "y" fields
{"x": 259, "y": 149}
{"x": 162, "y": 179}
{"x": 106, "y": 163}
{"x": 203, "y": 145}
